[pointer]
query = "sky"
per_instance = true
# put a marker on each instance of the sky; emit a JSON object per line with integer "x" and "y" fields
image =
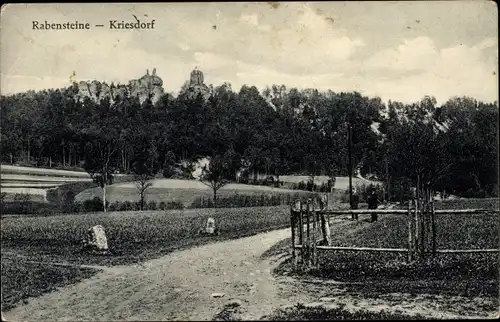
{"x": 396, "y": 50}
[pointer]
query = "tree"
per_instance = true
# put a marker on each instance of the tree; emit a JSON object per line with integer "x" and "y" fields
{"x": 142, "y": 183}
{"x": 101, "y": 137}
{"x": 144, "y": 168}
{"x": 98, "y": 163}
{"x": 217, "y": 173}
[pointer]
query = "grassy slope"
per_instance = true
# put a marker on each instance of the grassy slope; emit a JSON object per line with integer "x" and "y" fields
{"x": 185, "y": 191}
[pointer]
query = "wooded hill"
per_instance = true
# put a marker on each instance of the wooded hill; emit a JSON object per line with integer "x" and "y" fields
{"x": 452, "y": 147}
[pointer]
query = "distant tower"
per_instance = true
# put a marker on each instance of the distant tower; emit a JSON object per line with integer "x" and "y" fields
{"x": 196, "y": 77}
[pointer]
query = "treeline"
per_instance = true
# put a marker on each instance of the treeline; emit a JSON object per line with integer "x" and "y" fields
{"x": 453, "y": 147}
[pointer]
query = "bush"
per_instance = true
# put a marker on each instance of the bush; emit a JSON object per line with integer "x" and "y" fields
{"x": 174, "y": 205}
{"x": 2, "y": 201}
{"x": 127, "y": 205}
{"x": 243, "y": 200}
{"x": 29, "y": 207}
{"x": 162, "y": 205}
{"x": 58, "y": 195}
{"x": 23, "y": 201}
{"x": 92, "y": 205}
{"x": 152, "y": 205}
{"x": 68, "y": 202}
{"x": 115, "y": 206}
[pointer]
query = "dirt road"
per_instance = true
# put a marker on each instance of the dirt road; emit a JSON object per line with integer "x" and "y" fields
{"x": 178, "y": 286}
{"x": 181, "y": 285}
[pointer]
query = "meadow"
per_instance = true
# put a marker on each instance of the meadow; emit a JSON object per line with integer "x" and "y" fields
{"x": 22, "y": 279}
{"x": 455, "y": 274}
{"x": 132, "y": 236}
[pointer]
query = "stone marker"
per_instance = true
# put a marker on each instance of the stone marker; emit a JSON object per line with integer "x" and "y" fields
{"x": 97, "y": 238}
{"x": 210, "y": 228}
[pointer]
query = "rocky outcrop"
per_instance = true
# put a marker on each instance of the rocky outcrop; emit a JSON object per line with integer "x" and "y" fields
{"x": 147, "y": 86}
{"x": 197, "y": 86}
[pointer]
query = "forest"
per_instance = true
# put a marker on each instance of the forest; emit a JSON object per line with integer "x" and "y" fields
{"x": 278, "y": 131}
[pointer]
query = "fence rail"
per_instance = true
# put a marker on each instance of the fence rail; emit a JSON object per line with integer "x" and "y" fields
{"x": 359, "y": 249}
{"x": 463, "y": 211}
{"x": 463, "y": 251}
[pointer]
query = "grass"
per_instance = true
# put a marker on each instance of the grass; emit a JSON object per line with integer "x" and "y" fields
{"x": 186, "y": 195}
{"x": 21, "y": 279}
{"x": 302, "y": 313}
{"x": 452, "y": 232}
{"x": 340, "y": 182}
{"x": 470, "y": 203}
{"x": 132, "y": 236}
{"x": 454, "y": 274}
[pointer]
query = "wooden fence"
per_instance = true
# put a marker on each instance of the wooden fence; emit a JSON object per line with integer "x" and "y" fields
{"x": 310, "y": 228}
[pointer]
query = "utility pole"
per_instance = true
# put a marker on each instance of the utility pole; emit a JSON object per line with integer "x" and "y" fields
{"x": 388, "y": 184}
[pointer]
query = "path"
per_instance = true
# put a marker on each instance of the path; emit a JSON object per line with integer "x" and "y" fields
{"x": 178, "y": 286}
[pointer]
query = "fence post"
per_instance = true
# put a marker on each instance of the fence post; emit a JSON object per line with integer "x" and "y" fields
{"x": 308, "y": 238}
{"x": 301, "y": 224}
{"x": 325, "y": 224}
{"x": 416, "y": 236}
{"x": 314, "y": 237}
{"x": 410, "y": 246}
{"x": 292, "y": 219}
{"x": 433, "y": 214}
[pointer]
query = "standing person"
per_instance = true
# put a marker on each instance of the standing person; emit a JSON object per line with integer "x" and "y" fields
{"x": 354, "y": 203}
{"x": 373, "y": 203}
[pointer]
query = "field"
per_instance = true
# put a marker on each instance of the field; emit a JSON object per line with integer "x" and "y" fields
{"x": 453, "y": 274}
{"x": 22, "y": 279}
{"x": 132, "y": 236}
{"x": 184, "y": 191}
{"x": 341, "y": 183}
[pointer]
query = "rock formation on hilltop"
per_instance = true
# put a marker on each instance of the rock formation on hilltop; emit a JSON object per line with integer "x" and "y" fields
{"x": 196, "y": 86}
{"x": 144, "y": 87}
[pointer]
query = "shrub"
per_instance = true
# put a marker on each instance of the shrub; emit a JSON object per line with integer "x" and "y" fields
{"x": 127, "y": 205}
{"x": 23, "y": 201}
{"x": 68, "y": 202}
{"x": 162, "y": 205}
{"x": 152, "y": 205}
{"x": 115, "y": 206}
{"x": 91, "y": 205}
{"x": 174, "y": 205}
{"x": 3, "y": 195}
{"x": 243, "y": 200}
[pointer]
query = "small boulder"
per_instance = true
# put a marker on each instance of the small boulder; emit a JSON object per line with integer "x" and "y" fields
{"x": 210, "y": 228}
{"x": 96, "y": 239}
